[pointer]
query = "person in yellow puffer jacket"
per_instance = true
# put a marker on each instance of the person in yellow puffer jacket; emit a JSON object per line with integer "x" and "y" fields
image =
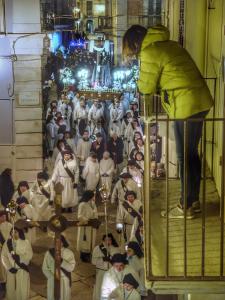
{"x": 168, "y": 68}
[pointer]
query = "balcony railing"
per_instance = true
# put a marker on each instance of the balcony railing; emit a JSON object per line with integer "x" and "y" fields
{"x": 105, "y": 23}
{"x": 186, "y": 250}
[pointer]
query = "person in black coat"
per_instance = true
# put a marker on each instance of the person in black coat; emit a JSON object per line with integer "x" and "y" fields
{"x": 98, "y": 146}
{"x": 6, "y": 187}
{"x": 115, "y": 147}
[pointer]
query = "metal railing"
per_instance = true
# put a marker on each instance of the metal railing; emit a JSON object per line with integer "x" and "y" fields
{"x": 186, "y": 274}
{"x": 105, "y": 22}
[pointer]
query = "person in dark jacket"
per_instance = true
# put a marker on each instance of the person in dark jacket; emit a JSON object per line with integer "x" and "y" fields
{"x": 115, "y": 147}
{"x": 98, "y": 146}
{"x": 6, "y": 187}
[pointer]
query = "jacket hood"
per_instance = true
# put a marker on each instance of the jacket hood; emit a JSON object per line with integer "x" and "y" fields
{"x": 157, "y": 33}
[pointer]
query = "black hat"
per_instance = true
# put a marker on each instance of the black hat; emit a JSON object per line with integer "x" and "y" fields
{"x": 125, "y": 175}
{"x": 98, "y": 135}
{"x": 136, "y": 247}
{"x": 42, "y": 175}
{"x": 129, "y": 193}
{"x": 87, "y": 196}
{"x": 23, "y": 183}
{"x": 129, "y": 278}
{"x": 110, "y": 235}
{"x": 21, "y": 200}
{"x": 131, "y": 162}
{"x": 118, "y": 258}
{"x": 67, "y": 151}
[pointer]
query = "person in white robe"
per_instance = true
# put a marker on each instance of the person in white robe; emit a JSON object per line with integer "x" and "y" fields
{"x": 135, "y": 257}
{"x": 126, "y": 214}
{"x": 101, "y": 257}
{"x": 96, "y": 113}
{"x": 91, "y": 172}
{"x": 60, "y": 146}
{"x": 66, "y": 111}
{"x": 51, "y": 134}
{"x": 42, "y": 196}
{"x": 116, "y": 115}
{"x": 125, "y": 130}
{"x": 67, "y": 173}
{"x": 69, "y": 141}
{"x": 52, "y": 109}
{"x": 80, "y": 114}
{"x": 26, "y": 211}
{"x": 23, "y": 190}
{"x": 127, "y": 290}
{"x": 124, "y": 184}
{"x": 83, "y": 149}
{"x": 86, "y": 236}
{"x": 107, "y": 170}
{"x": 114, "y": 277}
{"x": 16, "y": 255}
{"x": 137, "y": 231}
{"x": 134, "y": 171}
{"x": 5, "y": 229}
{"x": 67, "y": 266}
{"x": 76, "y": 100}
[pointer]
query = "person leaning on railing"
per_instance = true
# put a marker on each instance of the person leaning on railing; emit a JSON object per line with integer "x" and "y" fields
{"x": 167, "y": 67}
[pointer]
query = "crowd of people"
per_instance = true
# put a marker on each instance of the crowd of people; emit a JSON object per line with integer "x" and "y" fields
{"x": 89, "y": 144}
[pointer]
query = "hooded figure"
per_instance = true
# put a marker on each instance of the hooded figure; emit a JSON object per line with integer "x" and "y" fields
{"x": 67, "y": 266}
{"x": 114, "y": 277}
{"x": 86, "y": 235}
{"x": 6, "y": 187}
{"x": 135, "y": 257}
{"x": 168, "y": 69}
{"x": 16, "y": 256}
{"x": 101, "y": 258}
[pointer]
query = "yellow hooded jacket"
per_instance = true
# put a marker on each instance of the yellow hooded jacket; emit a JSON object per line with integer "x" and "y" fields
{"x": 167, "y": 68}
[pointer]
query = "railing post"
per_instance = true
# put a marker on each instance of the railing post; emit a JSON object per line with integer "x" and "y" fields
{"x": 147, "y": 185}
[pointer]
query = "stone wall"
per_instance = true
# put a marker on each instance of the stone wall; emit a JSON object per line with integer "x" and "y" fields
{"x": 24, "y": 153}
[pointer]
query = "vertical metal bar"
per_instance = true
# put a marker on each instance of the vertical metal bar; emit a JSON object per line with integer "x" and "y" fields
{"x": 213, "y": 128}
{"x": 185, "y": 194}
{"x": 222, "y": 205}
{"x": 147, "y": 189}
{"x": 167, "y": 197}
{"x": 203, "y": 199}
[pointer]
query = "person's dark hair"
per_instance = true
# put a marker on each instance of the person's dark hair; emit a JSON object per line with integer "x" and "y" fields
{"x": 87, "y": 196}
{"x": 136, "y": 248}
{"x": 58, "y": 144}
{"x": 64, "y": 241}
{"x": 22, "y": 183}
{"x": 139, "y": 153}
{"x": 110, "y": 235}
{"x": 7, "y": 172}
{"x": 132, "y": 40}
{"x": 20, "y": 233}
{"x": 130, "y": 193}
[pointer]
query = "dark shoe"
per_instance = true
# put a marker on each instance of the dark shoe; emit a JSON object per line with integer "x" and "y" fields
{"x": 196, "y": 207}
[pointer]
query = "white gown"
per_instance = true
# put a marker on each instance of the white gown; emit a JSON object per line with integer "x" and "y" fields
{"x": 94, "y": 115}
{"x": 5, "y": 229}
{"x": 86, "y": 236}
{"x": 69, "y": 194}
{"x": 48, "y": 269}
{"x": 40, "y": 202}
{"x": 107, "y": 166}
{"x": 125, "y": 218}
{"x": 91, "y": 174}
{"x": 17, "y": 285}
{"x": 29, "y": 213}
{"x": 83, "y": 150}
{"x": 119, "y": 191}
{"x": 112, "y": 280}
{"x": 101, "y": 267}
{"x": 121, "y": 294}
{"x": 138, "y": 265}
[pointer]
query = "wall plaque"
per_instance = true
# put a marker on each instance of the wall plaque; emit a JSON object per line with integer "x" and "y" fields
{"x": 29, "y": 98}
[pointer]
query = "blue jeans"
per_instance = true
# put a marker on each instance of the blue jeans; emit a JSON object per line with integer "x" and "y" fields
{"x": 194, "y": 133}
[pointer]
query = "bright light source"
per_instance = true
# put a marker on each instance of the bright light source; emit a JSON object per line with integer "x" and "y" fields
{"x": 83, "y": 74}
{"x": 99, "y": 8}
